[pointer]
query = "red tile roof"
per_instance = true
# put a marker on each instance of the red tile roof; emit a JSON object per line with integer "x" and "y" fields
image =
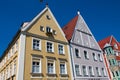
{"x": 103, "y": 42}
{"x": 118, "y": 58}
{"x": 69, "y": 28}
{"x": 110, "y": 40}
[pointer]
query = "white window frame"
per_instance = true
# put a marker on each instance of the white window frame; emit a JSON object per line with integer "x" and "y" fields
{"x": 51, "y": 61}
{"x": 52, "y": 47}
{"x": 65, "y": 67}
{"x": 40, "y": 66}
{"x": 63, "y": 52}
{"x": 39, "y": 43}
{"x": 79, "y": 70}
{"x": 86, "y": 70}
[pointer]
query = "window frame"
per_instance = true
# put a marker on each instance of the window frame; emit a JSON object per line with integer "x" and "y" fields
{"x": 77, "y": 53}
{"x": 65, "y": 68}
{"x": 35, "y": 58}
{"x": 52, "y": 47}
{"x": 79, "y": 69}
{"x": 63, "y": 52}
{"x": 39, "y": 43}
{"x": 86, "y": 71}
{"x": 86, "y": 55}
{"x": 51, "y": 61}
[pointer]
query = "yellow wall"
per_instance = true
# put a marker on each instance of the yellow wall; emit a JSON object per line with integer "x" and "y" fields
{"x": 35, "y": 29}
{"x": 10, "y": 61}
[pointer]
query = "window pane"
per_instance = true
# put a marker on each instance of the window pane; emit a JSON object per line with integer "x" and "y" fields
{"x": 60, "y": 47}
{"x": 36, "y": 44}
{"x": 77, "y": 70}
{"x": 35, "y": 67}
{"x": 62, "y": 68}
{"x": 49, "y": 47}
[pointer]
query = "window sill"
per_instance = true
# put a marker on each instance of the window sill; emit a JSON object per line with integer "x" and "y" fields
{"x": 50, "y": 52}
{"x": 95, "y": 60}
{"x": 62, "y": 54}
{"x": 36, "y": 74}
{"x": 79, "y": 75}
{"x": 51, "y": 74}
{"x": 78, "y": 57}
{"x": 86, "y": 76}
{"x": 37, "y": 49}
{"x": 64, "y": 75}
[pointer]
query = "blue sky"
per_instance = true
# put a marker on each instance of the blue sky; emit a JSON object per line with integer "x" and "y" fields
{"x": 102, "y": 16}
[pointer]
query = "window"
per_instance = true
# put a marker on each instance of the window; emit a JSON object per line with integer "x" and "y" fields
{"x": 110, "y": 62}
{"x": 14, "y": 67}
{"x": 51, "y": 67}
{"x": 48, "y": 17}
{"x": 113, "y": 62}
{"x": 61, "y": 49}
{"x": 85, "y": 72}
{"x": 36, "y": 65}
{"x": 13, "y": 50}
{"x": 10, "y": 69}
{"x": 36, "y": 44}
{"x": 77, "y": 53}
{"x": 16, "y": 45}
{"x": 98, "y": 71}
{"x": 100, "y": 58}
{"x": 103, "y": 72}
{"x": 94, "y": 57}
{"x": 48, "y": 30}
{"x": 113, "y": 74}
{"x": 86, "y": 55}
{"x": 91, "y": 71}
{"x": 117, "y": 73}
{"x": 54, "y": 32}
{"x": 8, "y": 55}
{"x": 62, "y": 68}
{"x": 49, "y": 47}
{"x": 41, "y": 28}
{"x": 77, "y": 70}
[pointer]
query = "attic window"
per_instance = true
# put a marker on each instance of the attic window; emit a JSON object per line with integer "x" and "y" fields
{"x": 115, "y": 46}
{"x": 48, "y": 17}
{"x": 41, "y": 28}
{"x": 54, "y": 32}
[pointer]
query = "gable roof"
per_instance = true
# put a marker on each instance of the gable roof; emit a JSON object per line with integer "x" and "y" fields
{"x": 69, "y": 31}
{"x": 111, "y": 41}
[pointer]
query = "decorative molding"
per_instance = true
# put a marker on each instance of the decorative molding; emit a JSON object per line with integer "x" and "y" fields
{"x": 86, "y": 47}
{"x": 45, "y": 38}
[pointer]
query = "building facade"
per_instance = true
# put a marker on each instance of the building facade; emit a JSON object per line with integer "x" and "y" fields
{"x": 86, "y": 55}
{"x": 39, "y": 51}
{"x": 111, "y": 47}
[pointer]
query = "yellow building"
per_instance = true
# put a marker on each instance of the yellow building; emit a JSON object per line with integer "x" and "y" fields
{"x": 39, "y": 51}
